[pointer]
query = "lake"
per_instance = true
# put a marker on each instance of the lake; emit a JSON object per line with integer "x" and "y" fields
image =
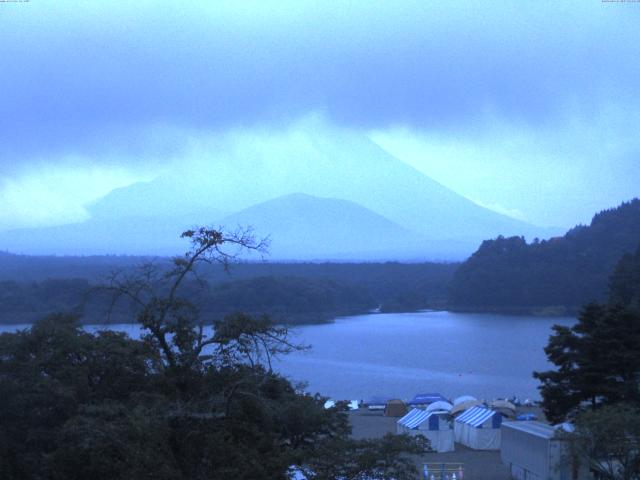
{"x": 400, "y": 354}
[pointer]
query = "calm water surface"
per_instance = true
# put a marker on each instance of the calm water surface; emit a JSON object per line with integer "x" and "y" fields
{"x": 399, "y": 355}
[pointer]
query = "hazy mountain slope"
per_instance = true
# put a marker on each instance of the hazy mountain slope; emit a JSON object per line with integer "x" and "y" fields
{"x": 235, "y": 173}
{"x": 305, "y": 227}
{"x": 131, "y": 235}
{"x": 564, "y": 272}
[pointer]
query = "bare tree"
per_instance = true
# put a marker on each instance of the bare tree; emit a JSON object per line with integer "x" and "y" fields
{"x": 173, "y": 323}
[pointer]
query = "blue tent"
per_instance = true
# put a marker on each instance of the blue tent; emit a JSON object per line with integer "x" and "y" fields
{"x": 376, "y": 403}
{"x": 426, "y": 399}
{"x": 527, "y": 417}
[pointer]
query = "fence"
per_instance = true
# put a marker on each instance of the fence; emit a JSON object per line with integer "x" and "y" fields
{"x": 443, "y": 471}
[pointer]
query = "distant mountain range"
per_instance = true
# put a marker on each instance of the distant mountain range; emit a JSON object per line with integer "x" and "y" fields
{"x": 557, "y": 276}
{"x": 310, "y": 194}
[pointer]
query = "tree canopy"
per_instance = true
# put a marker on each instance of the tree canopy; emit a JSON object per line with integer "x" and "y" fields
{"x": 176, "y": 404}
{"x": 597, "y": 359}
{"x": 557, "y": 275}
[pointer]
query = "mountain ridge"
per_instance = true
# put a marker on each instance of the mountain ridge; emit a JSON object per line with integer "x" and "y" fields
{"x": 557, "y": 275}
{"x": 234, "y": 174}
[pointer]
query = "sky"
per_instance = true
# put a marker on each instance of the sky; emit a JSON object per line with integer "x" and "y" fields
{"x": 527, "y": 108}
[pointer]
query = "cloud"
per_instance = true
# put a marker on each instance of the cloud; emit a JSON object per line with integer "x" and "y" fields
{"x": 55, "y": 195}
{"x": 531, "y": 106}
{"x": 554, "y": 175}
{"x": 95, "y": 78}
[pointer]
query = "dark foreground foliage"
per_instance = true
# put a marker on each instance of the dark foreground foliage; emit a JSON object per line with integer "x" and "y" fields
{"x": 177, "y": 404}
{"x": 607, "y": 441}
{"x": 75, "y": 405}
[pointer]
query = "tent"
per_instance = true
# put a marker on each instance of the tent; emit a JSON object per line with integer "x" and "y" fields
{"x": 329, "y": 404}
{"x": 426, "y": 399}
{"x": 463, "y": 406}
{"x": 526, "y": 417}
{"x": 479, "y": 428}
{"x": 463, "y": 398}
{"x": 395, "y": 408}
{"x": 435, "y": 426}
{"x": 439, "y": 406}
{"x": 505, "y": 407}
{"x": 377, "y": 403}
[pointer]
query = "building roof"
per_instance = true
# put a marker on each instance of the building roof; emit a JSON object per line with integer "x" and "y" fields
{"x": 538, "y": 429}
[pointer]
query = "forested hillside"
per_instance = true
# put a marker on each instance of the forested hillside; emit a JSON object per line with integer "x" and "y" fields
{"x": 552, "y": 276}
{"x": 33, "y": 287}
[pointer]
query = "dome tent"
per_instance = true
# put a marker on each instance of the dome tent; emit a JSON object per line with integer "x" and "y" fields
{"x": 459, "y": 408}
{"x": 395, "y": 408}
{"x": 439, "y": 406}
{"x": 463, "y": 398}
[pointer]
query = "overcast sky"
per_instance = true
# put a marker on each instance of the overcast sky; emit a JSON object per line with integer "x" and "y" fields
{"x": 529, "y": 108}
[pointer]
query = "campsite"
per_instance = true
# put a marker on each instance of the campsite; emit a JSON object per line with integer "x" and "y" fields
{"x": 466, "y": 435}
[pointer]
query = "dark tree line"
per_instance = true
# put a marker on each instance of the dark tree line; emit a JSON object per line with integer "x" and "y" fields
{"x": 175, "y": 404}
{"x": 290, "y": 300}
{"x": 291, "y": 293}
{"x": 558, "y": 275}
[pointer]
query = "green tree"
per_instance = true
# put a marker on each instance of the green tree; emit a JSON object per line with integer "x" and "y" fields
{"x": 177, "y": 404}
{"x": 597, "y": 360}
{"x": 608, "y": 439}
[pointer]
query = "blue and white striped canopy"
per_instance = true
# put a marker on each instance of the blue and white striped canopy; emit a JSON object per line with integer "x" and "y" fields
{"x": 415, "y": 418}
{"x": 476, "y": 416}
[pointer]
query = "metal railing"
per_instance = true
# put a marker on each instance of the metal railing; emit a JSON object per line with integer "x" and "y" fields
{"x": 443, "y": 471}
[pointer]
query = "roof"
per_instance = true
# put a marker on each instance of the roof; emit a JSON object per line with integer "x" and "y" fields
{"x": 538, "y": 429}
{"x": 426, "y": 398}
{"x": 415, "y": 417}
{"x": 476, "y": 416}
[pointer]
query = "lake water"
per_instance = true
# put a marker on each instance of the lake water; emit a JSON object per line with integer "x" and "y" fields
{"x": 399, "y": 355}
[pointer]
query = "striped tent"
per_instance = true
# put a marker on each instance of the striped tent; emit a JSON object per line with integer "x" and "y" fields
{"x": 479, "y": 428}
{"x": 435, "y": 426}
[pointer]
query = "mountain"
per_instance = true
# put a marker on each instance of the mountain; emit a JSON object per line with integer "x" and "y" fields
{"x": 558, "y": 275}
{"x": 303, "y": 227}
{"x": 130, "y": 235}
{"x": 236, "y": 172}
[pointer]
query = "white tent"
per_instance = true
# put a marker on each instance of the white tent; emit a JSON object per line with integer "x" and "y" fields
{"x": 506, "y": 408}
{"x": 479, "y": 428}
{"x": 435, "y": 426}
{"x": 440, "y": 406}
